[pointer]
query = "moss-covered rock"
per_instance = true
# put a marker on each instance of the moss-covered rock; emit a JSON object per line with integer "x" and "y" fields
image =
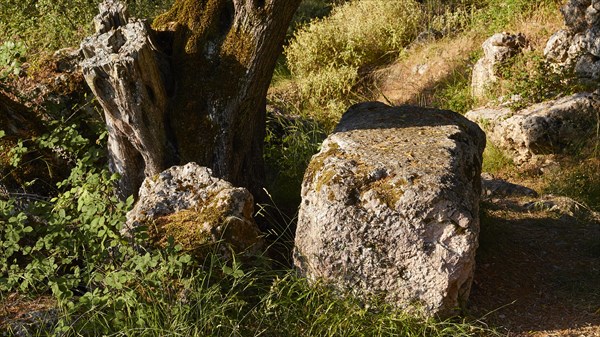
{"x": 390, "y": 206}
{"x": 203, "y": 214}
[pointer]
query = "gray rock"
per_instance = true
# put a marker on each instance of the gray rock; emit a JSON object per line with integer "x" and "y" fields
{"x": 497, "y": 49}
{"x": 390, "y": 207}
{"x": 31, "y": 323}
{"x": 588, "y": 67}
{"x": 543, "y": 128}
{"x": 197, "y": 210}
{"x": 574, "y": 14}
{"x": 580, "y": 39}
{"x": 557, "y": 47}
{"x": 496, "y": 188}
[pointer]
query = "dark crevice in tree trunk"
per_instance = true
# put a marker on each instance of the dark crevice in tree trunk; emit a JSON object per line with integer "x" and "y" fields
{"x": 192, "y": 88}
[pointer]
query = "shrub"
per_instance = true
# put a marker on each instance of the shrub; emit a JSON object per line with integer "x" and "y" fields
{"x": 357, "y": 33}
{"x": 47, "y": 25}
{"x": 327, "y": 55}
{"x": 530, "y": 77}
{"x": 12, "y": 56}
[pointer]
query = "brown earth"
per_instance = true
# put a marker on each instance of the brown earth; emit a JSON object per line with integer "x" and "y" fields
{"x": 538, "y": 272}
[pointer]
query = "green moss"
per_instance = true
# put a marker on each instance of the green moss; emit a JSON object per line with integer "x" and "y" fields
{"x": 187, "y": 229}
{"x": 325, "y": 178}
{"x": 239, "y": 46}
{"x": 388, "y": 193}
{"x": 317, "y": 163}
{"x": 200, "y": 230}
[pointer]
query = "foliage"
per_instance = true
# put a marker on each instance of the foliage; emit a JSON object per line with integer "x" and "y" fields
{"x": 327, "y": 55}
{"x": 47, "y": 25}
{"x": 531, "y": 78}
{"x": 290, "y": 142}
{"x": 495, "y": 16}
{"x": 12, "y": 55}
{"x": 57, "y": 243}
{"x": 355, "y": 34}
{"x": 455, "y": 92}
{"x": 494, "y": 160}
{"x": 579, "y": 180}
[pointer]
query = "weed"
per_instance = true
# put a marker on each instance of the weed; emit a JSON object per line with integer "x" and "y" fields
{"x": 579, "y": 180}
{"x": 12, "y": 55}
{"x": 531, "y": 78}
{"x": 454, "y": 93}
{"x": 494, "y": 160}
{"x": 47, "y": 25}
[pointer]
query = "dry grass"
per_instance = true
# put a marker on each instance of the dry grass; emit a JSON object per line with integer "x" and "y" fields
{"x": 414, "y": 78}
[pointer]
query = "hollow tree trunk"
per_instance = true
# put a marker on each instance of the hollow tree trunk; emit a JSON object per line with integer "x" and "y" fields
{"x": 191, "y": 89}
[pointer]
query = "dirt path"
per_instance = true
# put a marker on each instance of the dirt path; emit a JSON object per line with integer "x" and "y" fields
{"x": 538, "y": 273}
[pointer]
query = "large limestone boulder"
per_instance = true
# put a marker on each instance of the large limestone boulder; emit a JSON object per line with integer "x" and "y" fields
{"x": 578, "y": 45}
{"x": 543, "y": 128}
{"x": 390, "y": 207}
{"x": 197, "y": 210}
{"x": 497, "y": 49}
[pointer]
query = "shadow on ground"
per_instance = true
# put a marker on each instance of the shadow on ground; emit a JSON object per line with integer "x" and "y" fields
{"x": 537, "y": 271}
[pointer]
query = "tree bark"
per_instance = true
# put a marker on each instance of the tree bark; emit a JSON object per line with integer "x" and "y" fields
{"x": 193, "y": 89}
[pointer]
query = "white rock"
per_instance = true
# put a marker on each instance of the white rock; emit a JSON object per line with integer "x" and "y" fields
{"x": 543, "y": 128}
{"x": 196, "y": 209}
{"x": 390, "y": 207}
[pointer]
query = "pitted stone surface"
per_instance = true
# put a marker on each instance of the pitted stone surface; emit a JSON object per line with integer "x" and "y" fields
{"x": 543, "y": 128}
{"x": 390, "y": 207}
{"x": 497, "y": 49}
{"x": 577, "y": 46}
{"x": 196, "y": 209}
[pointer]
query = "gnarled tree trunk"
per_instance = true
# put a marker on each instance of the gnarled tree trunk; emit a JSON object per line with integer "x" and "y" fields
{"x": 190, "y": 90}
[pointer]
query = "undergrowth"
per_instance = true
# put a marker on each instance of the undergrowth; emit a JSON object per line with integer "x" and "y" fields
{"x": 70, "y": 244}
{"x": 106, "y": 283}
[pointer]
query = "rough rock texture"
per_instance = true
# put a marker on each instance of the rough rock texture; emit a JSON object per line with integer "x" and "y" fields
{"x": 497, "y": 49}
{"x": 197, "y": 210}
{"x": 497, "y": 188}
{"x": 542, "y": 128}
{"x": 390, "y": 207}
{"x": 578, "y": 46}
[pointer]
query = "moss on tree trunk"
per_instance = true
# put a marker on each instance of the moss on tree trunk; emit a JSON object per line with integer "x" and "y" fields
{"x": 220, "y": 57}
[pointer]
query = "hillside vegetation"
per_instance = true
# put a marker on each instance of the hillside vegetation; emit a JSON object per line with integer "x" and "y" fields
{"x": 63, "y": 251}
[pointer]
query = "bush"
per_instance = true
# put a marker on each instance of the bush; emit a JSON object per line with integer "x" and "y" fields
{"x": 327, "y": 55}
{"x": 48, "y": 25}
{"x": 530, "y": 77}
{"x": 357, "y": 33}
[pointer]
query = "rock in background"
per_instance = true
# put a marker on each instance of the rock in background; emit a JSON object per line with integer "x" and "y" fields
{"x": 197, "y": 210}
{"x": 390, "y": 207}
{"x": 543, "y": 128}
{"x": 497, "y": 49}
{"x": 578, "y": 45}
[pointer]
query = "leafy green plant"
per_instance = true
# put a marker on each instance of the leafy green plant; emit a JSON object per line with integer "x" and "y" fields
{"x": 494, "y": 160}
{"x": 455, "y": 92}
{"x": 531, "y": 78}
{"x": 290, "y": 142}
{"x": 12, "y": 56}
{"x": 57, "y": 242}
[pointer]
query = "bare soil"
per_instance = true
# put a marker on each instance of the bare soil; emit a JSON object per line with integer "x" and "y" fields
{"x": 538, "y": 273}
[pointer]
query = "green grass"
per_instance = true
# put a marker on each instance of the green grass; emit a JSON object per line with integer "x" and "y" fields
{"x": 45, "y": 26}
{"x": 241, "y": 302}
{"x": 494, "y": 160}
{"x": 578, "y": 179}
